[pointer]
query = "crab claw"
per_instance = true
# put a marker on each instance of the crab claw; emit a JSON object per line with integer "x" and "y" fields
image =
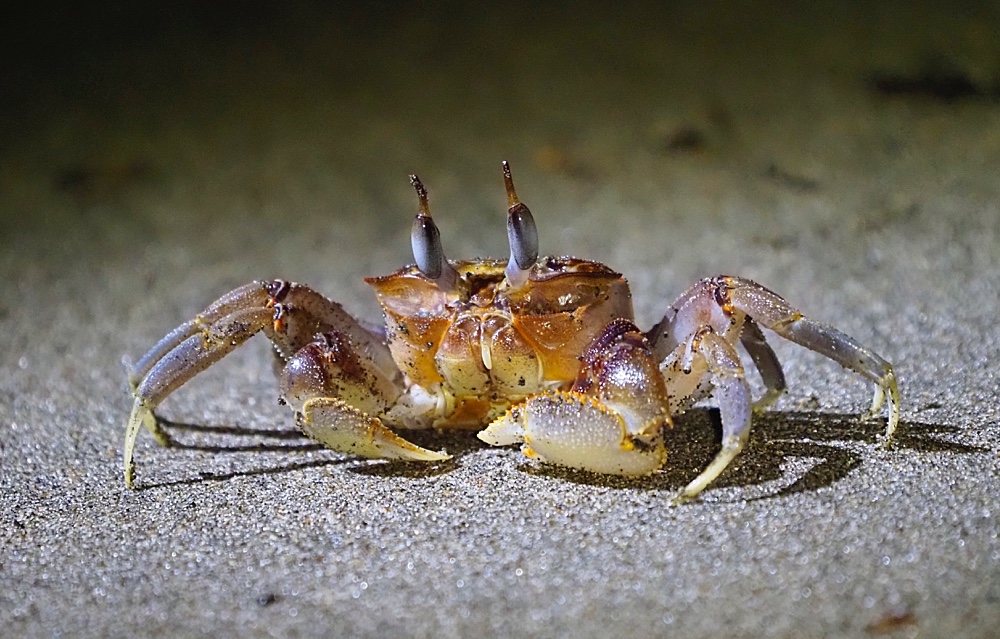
{"x": 576, "y": 430}
{"x": 341, "y": 427}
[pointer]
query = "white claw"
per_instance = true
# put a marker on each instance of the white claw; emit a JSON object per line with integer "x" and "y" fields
{"x": 578, "y": 431}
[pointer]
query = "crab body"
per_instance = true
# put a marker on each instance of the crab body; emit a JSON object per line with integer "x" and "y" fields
{"x": 485, "y": 345}
{"x": 542, "y": 351}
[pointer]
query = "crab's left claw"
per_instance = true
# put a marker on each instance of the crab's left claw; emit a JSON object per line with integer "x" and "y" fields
{"x": 612, "y": 420}
{"x": 341, "y": 427}
{"x": 575, "y": 430}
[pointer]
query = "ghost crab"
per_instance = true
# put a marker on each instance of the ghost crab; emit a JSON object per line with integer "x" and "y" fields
{"x": 543, "y": 350}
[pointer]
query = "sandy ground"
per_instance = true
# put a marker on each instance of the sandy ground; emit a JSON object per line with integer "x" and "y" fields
{"x": 846, "y": 156}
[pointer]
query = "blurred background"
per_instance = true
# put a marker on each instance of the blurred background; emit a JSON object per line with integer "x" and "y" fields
{"x": 686, "y": 138}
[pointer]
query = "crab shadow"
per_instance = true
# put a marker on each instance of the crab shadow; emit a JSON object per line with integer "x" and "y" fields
{"x": 294, "y": 442}
{"x": 776, "y": 439}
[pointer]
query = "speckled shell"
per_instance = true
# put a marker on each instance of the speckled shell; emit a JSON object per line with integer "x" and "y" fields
{"x": 485, "y": 340}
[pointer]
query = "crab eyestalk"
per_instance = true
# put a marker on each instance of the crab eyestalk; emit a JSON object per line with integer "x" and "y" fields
{"x": 522, "y": 234}
{"x": 426, "y": 242}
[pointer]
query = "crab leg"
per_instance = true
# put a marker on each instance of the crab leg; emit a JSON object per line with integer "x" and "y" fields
{"x": 726, "y": 303}
{"x": 185, "y": 360}
{"x": 765, "y": 361}
{"x": 235, "y": 300}
{"x": 732, "y": 393}
{"x": 774, "y": 313}
{"x": 289, "y": 314}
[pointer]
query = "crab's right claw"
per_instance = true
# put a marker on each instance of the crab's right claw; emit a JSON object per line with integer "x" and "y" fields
{"x": 343, "y": 428}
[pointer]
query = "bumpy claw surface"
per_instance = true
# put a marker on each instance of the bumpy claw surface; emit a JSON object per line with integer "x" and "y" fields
{"x": 576, "y": 430}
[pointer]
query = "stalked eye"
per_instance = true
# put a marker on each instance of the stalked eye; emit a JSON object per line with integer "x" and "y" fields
{"x": 521, "y": 233}
{"x": 426, "y": 242}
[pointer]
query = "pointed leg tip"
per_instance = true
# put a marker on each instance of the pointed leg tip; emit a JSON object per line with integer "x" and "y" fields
{"x": 890, "y": 429}
{"x": 159, "y": 433}
{"x": 682, "y": 498}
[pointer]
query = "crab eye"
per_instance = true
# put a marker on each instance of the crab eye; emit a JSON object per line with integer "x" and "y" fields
{"x": 426, "y": 242}
{"x": 521, "y": 232}
{"x": 523, "y": 236}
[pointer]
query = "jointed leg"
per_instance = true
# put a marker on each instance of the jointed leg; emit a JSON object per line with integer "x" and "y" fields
{"x": 725, "y": 303}
{"x": 732, "y": 393}
{"x": 289, "y": 314}
{"x": 765, "y": 361}
{"x": 246, "y": 297}
{"x": 774, "y": 313}
{"x": 182, "y": 362}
